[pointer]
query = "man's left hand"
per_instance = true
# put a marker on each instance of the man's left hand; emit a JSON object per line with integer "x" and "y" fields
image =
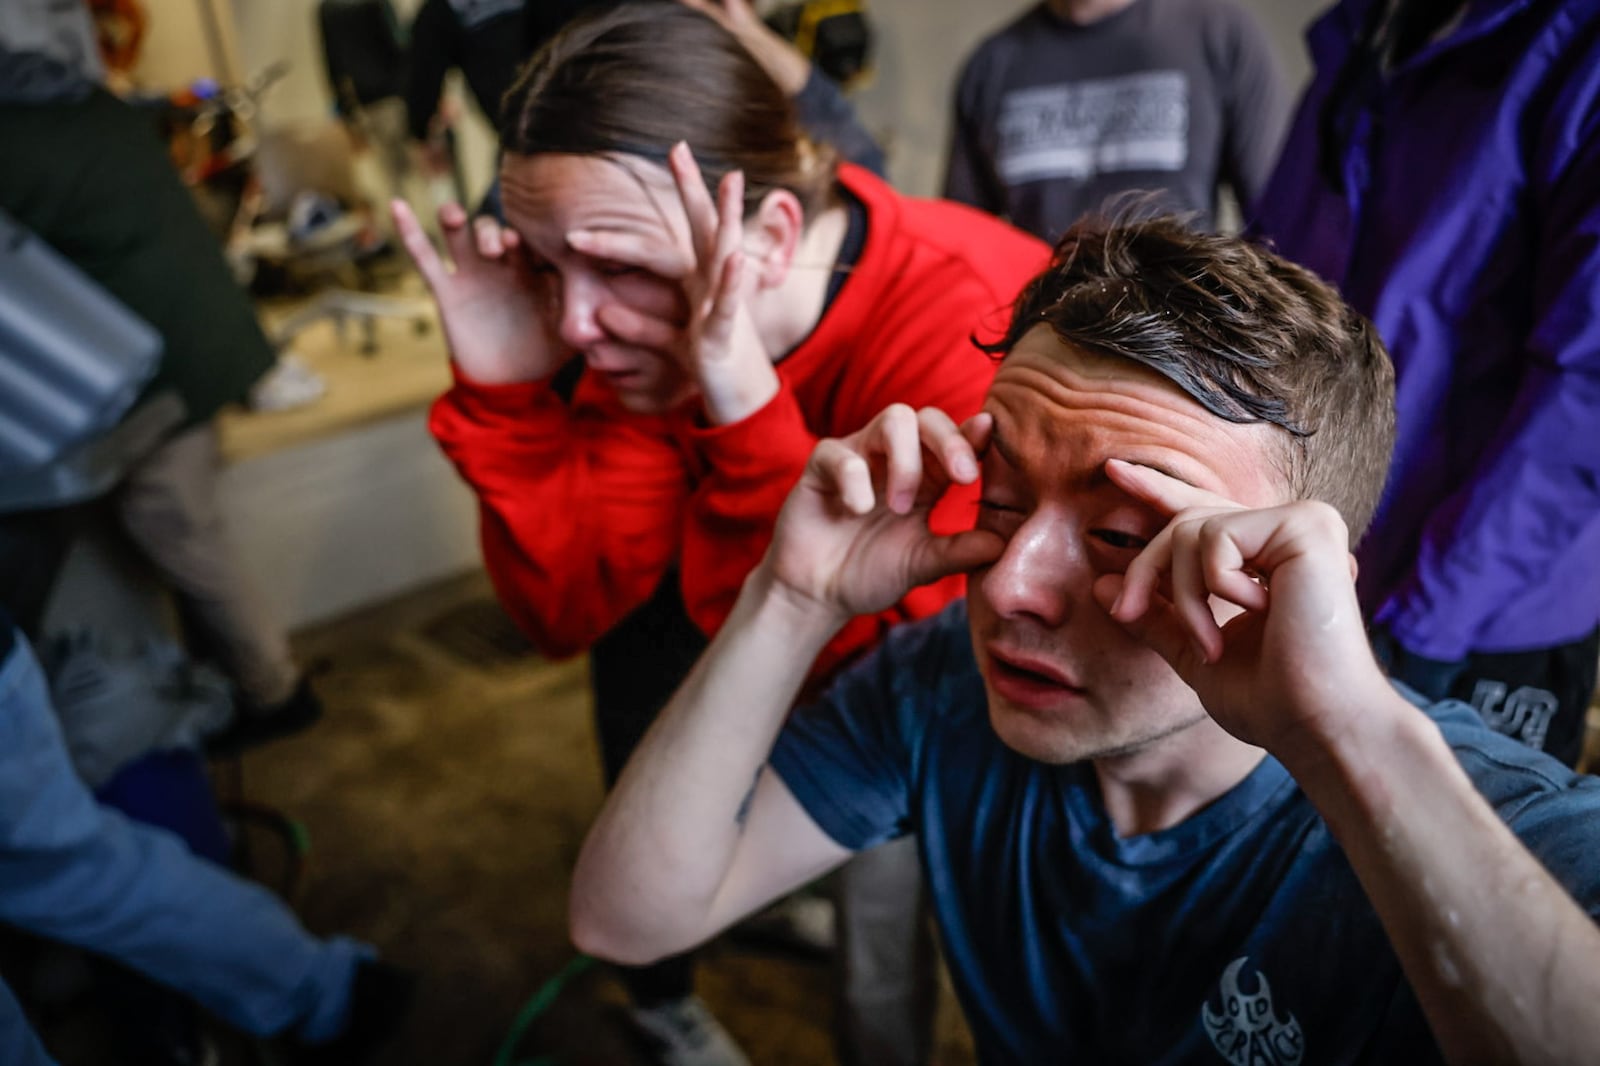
{"x": 1254, "y": 608}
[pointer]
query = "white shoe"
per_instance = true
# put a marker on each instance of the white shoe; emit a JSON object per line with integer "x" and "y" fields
{"x": 683, "y": 1032}
{"x": 288, "y": 384}
{"x": 800, "y": 922}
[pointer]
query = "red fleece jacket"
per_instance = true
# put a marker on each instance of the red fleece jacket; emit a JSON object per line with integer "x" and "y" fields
{"x": 585, "y": 505}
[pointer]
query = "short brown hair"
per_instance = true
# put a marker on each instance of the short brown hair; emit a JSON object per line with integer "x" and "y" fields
{"x": 1249, "y": 335}
{"x": 637, "y": 78}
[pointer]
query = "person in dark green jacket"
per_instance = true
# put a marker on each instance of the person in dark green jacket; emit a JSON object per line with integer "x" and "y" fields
{"x": 88, "y": 174}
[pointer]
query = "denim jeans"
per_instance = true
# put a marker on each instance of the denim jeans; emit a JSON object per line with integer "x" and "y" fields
{"x": 76, "y": 871}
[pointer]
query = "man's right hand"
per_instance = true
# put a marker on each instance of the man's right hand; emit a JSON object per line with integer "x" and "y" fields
{"x": 496, "y": 311}
{"x": 853, "y": 536}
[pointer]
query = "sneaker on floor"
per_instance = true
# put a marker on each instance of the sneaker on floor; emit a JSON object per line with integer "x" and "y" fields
{"x": 380, "y": 1000}
{"x": 801, "y": 923}
{"x": 683, "y": 1032}
{"x": 288, "y": 384}
{"x": 252, "y": 726}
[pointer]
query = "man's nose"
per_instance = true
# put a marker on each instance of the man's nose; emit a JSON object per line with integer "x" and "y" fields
{"x": 1039, "y": 575}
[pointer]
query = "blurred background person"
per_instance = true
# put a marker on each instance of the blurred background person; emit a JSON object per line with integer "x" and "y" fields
{"x": 1444, "y": 171}
{"x": 1080, "y": 100}
{"x": 718, "y": 342}
{"x": 87, "y": 173}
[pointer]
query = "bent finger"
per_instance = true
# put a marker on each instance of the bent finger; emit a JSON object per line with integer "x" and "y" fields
{"x": 844, "y": 474}
{"x": 939, "y": 557}
{"x": 1141, "y": 580}
{"x": 895, "y": 436}
{"x": 629, "y": 249}
{"x": 943, "y": 438}
{"x": 1157, "y": 627}
{"x": 638, "y": 329}
{"x": 1225, "y": 572}
{"x": 1191, "y": 597}
{"x": 697, "y": 205}
{"x": 486, "y": 237}
{"x": 457, "y": 234}
{"x": 978, "y": 430}
{"x": 1162, "y": 491}
{"x": 417, "y": 245}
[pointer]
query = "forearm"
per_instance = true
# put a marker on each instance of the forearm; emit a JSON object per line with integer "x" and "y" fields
{"x": 1504, "y": 962}
{"x": 580, "y": 511}
{"x": 653, "y": 873}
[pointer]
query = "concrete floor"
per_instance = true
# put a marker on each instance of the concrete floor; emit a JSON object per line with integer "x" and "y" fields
{"x": 446, "y": 794}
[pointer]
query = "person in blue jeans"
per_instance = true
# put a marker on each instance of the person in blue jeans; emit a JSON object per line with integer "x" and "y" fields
{"x": 75, "y": 871}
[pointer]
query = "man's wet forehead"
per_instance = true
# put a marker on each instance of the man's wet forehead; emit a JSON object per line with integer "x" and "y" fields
{"x": 1070, "y": 410}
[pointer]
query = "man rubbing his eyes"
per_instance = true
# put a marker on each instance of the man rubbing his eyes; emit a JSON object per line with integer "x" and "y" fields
{"x": 1169, "y": 807}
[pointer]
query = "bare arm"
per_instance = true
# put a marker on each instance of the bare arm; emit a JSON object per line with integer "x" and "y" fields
{"x": 695, "y": 834}
{"x": 1504, "y": 962}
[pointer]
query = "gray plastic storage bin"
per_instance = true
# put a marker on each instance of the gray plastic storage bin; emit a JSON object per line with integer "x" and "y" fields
{"x": 72, "y": 358}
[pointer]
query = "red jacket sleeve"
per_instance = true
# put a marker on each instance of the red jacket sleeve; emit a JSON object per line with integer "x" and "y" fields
{"x": 914, "y": 357}
{"x": 581, "y": 505}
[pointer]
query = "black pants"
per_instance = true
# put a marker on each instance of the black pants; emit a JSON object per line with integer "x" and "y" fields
{"x": 1540, "y": 697}
{"x": 634, "y": 670}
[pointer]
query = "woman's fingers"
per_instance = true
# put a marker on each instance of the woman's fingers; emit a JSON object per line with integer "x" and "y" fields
{"x": 458, "y": 235}
{"x": 636, "y": 328}
{"x": 486, "y": 236}
{"x": 717, "y": 329}
{"x": 730, "y": 215}
{"x": 417, "y": 245}
{"x": 697, "y": 203}
{"x": 631, "y": 250}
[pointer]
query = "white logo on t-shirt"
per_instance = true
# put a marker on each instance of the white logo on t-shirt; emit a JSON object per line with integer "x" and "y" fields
{"x": 1246, "y": 1031}
{"x": 1526, "y": 714}
{"x": 1099, "y": 126}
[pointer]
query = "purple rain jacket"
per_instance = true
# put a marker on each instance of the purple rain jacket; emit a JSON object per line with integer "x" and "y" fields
{"x": 1464, "y": 220}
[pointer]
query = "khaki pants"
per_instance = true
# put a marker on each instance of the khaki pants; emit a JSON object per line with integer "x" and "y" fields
{"x": 168, "y": 505}
{"x": 888, "y": 986}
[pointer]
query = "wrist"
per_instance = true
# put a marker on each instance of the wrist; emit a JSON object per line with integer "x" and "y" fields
{"x": 488, "y": 374}
{"x": 811, "y": 621}
{"x": 1355, "y": 770}
{"x": 735, "y": 396}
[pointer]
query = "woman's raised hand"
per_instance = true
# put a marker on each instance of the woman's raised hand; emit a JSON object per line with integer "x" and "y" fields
{"x": 717, "y": 342}
{"x": 496, "y": 312}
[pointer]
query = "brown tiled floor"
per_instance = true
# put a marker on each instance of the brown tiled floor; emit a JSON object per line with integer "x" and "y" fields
{"x": 446, "y": 801}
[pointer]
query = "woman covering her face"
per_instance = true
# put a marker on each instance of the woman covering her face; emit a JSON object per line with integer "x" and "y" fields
{"x": 734, "y": 295}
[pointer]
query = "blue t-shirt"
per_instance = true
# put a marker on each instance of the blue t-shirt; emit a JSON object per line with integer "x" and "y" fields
{"x": 1240, "y": 935}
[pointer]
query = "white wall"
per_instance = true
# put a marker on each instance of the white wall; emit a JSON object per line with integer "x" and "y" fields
{"x": 179, "y": 45}
{"x": 347, "y": 521}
